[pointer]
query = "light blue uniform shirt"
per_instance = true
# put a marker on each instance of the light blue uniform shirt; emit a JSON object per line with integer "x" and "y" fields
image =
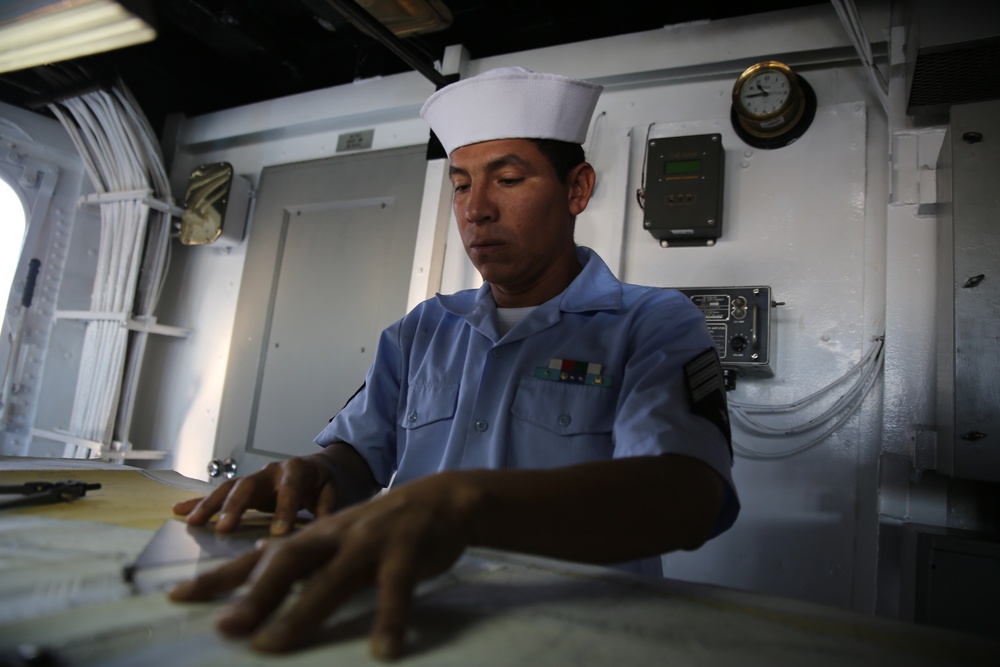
{"x": 446, "y": 391}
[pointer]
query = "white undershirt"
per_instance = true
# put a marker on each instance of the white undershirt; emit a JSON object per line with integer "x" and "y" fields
{"x": 508, "y": 317}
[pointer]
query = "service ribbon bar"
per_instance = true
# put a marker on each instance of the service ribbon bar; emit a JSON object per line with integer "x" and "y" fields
{"x": 576, "y": 372}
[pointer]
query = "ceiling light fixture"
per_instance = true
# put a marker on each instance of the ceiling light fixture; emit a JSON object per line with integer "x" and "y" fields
{"x": 36, "y": 32}
{"x": 409, "y": 17}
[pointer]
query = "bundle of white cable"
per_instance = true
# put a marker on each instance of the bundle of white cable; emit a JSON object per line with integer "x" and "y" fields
{"x": 117, "y": 147}
{"x": 814, "y": 429}
{"x": 153, "y": 271}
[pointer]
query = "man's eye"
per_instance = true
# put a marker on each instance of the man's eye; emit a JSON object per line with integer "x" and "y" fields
{"x": 461, "y": 187}
{"x": 510, "y": 181}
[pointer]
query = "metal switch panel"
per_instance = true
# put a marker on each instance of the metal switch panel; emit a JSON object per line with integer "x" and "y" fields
{"x": 739, "y": 319}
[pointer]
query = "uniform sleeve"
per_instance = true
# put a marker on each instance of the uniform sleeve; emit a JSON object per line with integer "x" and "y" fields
{"x": 369, "y": 420}
{"x": 669, "y": 402}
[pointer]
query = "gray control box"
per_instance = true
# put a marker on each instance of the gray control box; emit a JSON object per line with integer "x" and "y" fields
{"x": 683, "y": 191}
{"x": 739, "y": 319}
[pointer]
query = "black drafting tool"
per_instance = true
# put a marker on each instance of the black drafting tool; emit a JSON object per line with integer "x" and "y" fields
{"x": 42, "y": 493}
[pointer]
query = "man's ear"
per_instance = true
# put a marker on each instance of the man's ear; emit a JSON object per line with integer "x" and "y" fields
{"x": 581, "y": 186}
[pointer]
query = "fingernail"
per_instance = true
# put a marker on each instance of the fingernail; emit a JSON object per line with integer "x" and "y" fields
{"x": 274, "y": 637}
{"x": 235, "y": 620}
{"x": 180, "y": 591}
{"x": 387, "y": 647}
{"x": 279, "y": 527}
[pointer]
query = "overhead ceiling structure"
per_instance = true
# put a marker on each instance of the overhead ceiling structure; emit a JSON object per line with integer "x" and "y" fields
{"x": 211, "y": 55}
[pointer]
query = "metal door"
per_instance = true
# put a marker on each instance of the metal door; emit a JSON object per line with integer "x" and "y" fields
{"x": 328, "y": 265}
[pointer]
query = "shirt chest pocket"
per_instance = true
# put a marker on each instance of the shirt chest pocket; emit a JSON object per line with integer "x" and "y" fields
{"x": 429, "y": 403}
{"x": 565, "y": 408}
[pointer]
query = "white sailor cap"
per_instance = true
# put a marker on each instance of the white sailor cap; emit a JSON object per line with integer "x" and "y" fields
{"x": 511, "y": 103}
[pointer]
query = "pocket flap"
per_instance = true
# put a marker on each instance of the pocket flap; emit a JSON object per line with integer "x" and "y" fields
{"x": 428, "y": 403}
{"x": 565, "y": 409}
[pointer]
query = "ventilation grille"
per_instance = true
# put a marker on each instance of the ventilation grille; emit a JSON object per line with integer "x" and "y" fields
{"x": 958, "y": 75}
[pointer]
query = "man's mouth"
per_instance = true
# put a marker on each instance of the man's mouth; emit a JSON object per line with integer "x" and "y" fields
{"x": 483, "y": 244}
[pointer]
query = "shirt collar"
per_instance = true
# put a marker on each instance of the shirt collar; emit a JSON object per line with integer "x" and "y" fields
{"x": 595, "y": 288}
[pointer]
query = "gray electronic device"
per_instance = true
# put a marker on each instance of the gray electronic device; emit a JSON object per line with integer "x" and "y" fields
{"x": 683, "y": 190}
{"x": 739, "y": 319}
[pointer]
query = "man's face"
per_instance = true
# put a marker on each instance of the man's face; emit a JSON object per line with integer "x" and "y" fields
{"x": 516, "y": 218}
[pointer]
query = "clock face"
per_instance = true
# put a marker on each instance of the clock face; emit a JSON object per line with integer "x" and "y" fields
{"x": 765, "y": 93}
{"x": 772, "y": 105}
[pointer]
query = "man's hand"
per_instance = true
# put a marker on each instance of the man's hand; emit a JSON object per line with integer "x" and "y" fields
{"x": 600, "y": 512}
{"x": 321, "y": 483}
{"x": 393, "y": 542}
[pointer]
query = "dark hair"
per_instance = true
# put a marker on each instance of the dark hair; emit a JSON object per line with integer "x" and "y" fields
{"x": 562, "y": 154}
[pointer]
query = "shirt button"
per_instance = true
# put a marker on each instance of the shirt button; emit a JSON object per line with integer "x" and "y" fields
{"x": 412, "y": 416}
{"x": 564, "y": 420}
{"x": 481, "y": 425}
{"x": 497, "y": 353}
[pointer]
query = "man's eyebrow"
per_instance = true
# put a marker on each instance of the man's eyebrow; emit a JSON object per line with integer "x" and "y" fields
{"x": 495, "y": 164}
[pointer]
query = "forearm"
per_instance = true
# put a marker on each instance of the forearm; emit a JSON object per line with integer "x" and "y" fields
{"x": 602, "y": 512}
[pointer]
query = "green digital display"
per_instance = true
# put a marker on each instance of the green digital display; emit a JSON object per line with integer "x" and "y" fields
{"x": 682, "y": 167}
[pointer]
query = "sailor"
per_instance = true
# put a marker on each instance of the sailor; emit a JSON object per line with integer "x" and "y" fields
{"x": 553, "y": 411}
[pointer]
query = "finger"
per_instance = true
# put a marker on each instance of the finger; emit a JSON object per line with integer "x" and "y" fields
{"x": 396, "y": 582}
{"x": 289, "y": 499}
{"x": 205, "y": 508}
{"x": 330, "y": 588}
{"x": 223, "y": 579}
{"x": 284, "y": 563}
{"x": 247, "y": 493}
{"x": 326, "y": 504}
{"x": 184, "y": 507}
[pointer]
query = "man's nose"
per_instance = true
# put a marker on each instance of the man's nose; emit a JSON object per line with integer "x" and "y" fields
{"x": 479, "y": 206}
